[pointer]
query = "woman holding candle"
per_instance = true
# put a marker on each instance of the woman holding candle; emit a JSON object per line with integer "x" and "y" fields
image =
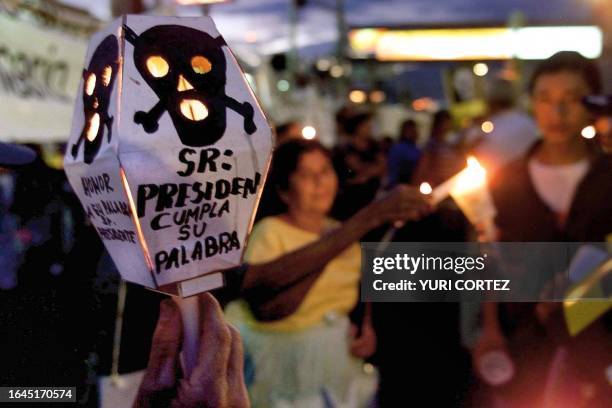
{"x": 312, "y": 355}
{"x": 561, "y": 190}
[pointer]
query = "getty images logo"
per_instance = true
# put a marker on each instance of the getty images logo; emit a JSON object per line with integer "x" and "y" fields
{"x": 413, "y": 264}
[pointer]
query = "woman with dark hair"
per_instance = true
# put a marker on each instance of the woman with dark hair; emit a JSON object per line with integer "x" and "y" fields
{"x": 312, "y": 356}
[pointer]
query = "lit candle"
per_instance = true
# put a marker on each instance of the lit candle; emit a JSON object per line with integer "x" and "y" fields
{"x": 473, "y": 176}
{"x": 469, "y": 190}
{"x": 471, "y": 194}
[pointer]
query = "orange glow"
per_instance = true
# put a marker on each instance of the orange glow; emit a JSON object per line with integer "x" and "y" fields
{"x": 157, "y": 66}
{"x": 422, "y": 104}
{"x": 377, "y": 96}
{"x": 141, "y": 239}
{"x": 474, "y": 176}
{"x": 201, "y": 65}
{"x": 183, "y": 84}
{"x": 107, "y": 75}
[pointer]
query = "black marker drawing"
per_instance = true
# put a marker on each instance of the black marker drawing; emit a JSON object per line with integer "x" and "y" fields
{"x": 186, "y": 69}
{"x": 98, "y": 80}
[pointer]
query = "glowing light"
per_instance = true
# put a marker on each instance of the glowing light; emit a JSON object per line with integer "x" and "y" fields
{"x": 470, "y": 178}
{"x": 364, "y": 40}
{"x": 487, "y": 126}
{"x": 90, "y": 84}
{"x": 357, "y": 96}
{"x": 193, "y": 109}
{"x": 474, "y": 176}
{"x": 157, "y": 66}
{"x": 94, "y": 126}
{"x": 336, "y": 71}
{"x": 282, "y": 85}
{"x": 377, "y": 96}
{"x": 425, "y": 188}
{"x": 183, "y": 84}
{"x": 369, "y": 369}
{"x": 201, "y": 65}
{"x": 588, "y": 132}
{"x": 309, "y": 132}
{"x": 107, "y": 74}
{"x": 422, "y": 104}
{"x": 323, "y": 64}
{"x": 488, "y": 43}
{"x": 136, "y": 220}
{"x": 481, "y": 69}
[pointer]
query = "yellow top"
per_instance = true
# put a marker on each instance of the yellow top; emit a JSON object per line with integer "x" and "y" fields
{"x": 336, "y": 289}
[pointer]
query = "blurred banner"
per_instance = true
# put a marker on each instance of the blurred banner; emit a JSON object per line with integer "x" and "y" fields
{"x": 40, "y": 69}
{"x": 473, "y": 43}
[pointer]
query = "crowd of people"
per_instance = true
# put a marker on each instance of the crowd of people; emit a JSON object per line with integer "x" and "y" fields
{"x": 300, "y": 336}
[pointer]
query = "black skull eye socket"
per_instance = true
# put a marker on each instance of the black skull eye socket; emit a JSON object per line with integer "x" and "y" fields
{"x": 90, "y": 84}
{"x": 201, "y": 65}
{"x": 157, "y": 66}
{"x": 107, "y": 74}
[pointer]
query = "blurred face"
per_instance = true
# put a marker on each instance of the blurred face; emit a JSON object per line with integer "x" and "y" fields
{"x": 312, "y": 186}
{"x": 557, "y": 106}
{"x": 364, "y": 129}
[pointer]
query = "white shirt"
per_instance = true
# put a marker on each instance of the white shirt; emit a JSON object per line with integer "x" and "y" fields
{"x": 556, "y": 185}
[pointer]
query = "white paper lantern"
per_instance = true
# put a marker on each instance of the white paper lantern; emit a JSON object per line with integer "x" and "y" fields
{"x": 168, "y": 152}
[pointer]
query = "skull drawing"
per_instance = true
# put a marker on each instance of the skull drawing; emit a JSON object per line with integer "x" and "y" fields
{"x": 186, "y": 68}
{"x": 98, "y": 80}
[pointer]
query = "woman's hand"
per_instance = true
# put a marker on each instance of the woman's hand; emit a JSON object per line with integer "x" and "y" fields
{"x": 363, "y": 344}
{"x": 217, "y": 379}
{"x": 403, "y": 203}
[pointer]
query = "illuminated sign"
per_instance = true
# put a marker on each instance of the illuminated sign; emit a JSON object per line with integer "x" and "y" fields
{"x": 469, "y": 44}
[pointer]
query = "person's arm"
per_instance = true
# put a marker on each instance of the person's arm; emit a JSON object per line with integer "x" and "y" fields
{"x": 275, "y": 289}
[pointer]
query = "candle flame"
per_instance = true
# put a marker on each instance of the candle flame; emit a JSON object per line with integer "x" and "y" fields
{"x": 473, "y": 163}
{"x": 425, "y": 188}
{"x": 474, "y": 176}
